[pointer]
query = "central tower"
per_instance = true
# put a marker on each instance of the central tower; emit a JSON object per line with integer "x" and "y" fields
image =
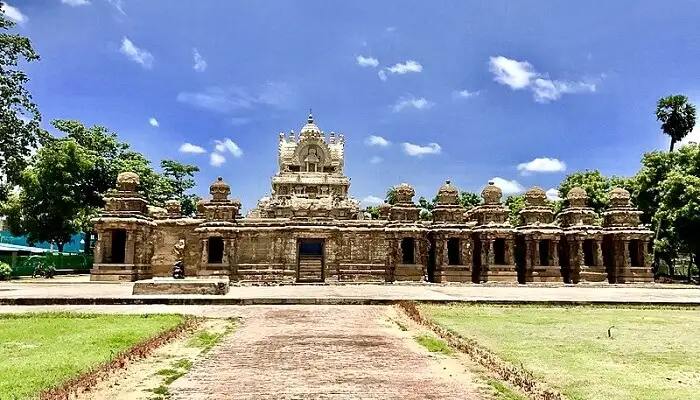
{"x": 310, "y": 181}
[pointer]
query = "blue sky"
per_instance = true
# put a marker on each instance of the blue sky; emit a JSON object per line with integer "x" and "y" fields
{"x": 521, "y": 91}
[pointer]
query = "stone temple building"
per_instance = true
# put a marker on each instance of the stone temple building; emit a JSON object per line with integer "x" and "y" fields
{"x": 310, "y": 230}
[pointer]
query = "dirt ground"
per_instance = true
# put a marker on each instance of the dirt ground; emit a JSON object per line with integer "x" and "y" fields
{"x": 303, "y": 352}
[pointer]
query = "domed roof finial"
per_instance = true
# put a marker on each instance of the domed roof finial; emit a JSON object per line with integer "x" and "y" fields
{"x": 311, "y": 117}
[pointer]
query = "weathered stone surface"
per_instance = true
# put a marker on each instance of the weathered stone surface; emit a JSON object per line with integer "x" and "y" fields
{"x": 311, "y": 230}
{"x": 169, "y": 286}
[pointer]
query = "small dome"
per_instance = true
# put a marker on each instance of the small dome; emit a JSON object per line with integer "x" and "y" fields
{"x": 127, "y": 181}
{"x": 619, "y": 197}
{"x": 492, "y": 194}
{"x": 404, "y": 193}
{"x": 384, "y": 206}
{"x": 201, "y": 206}
{"x": 220, "y": 190}
{"x": 577, "y": 197}
{"x": 448, "y": 193}
{"x": 237, "y": 203}
{"x": 173, "y": 206}
{"x": 535, "y": 196}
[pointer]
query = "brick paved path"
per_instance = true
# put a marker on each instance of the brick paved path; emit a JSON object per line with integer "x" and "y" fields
{"x": 320, "y": 352}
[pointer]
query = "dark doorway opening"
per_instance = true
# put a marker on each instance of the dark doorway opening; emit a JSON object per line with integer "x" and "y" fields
{"x": 564, "y": 252}
{"x": 311, "y": 265}
{"x": 635, "y": 260}
{"x": 216, "y": 250}
{"x": 544, "y": 252}
{"x": 608, "y": 259}
{"x": 118, "y": 253}
{"x": 407, "y": 251}
{"x": 589, "y": 252}
{"x": 520, "y": 259}
{"x": 453, "y": 256}
{"x": 499, "y": 251}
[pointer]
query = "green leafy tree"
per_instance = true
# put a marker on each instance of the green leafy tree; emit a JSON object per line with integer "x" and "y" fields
{"x": 593, "y": 182}
{"x": 677, "y": 117}
{"x": 469, "y": 199}
{"x": 391, "y": 196}
{"x": 20, "y": 132}
{"x": 180, "y": 178}
{"x": 50, "y": 199}
{"x": 373, "y": 211}
{"x": 515, "y": 204}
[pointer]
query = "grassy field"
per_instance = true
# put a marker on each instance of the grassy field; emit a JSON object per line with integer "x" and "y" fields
{"x": 651, "y": 354}
{"x": 38, "y": 351}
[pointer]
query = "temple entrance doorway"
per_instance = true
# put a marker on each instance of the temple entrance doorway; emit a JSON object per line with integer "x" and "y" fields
{"x": 310, "y": 266}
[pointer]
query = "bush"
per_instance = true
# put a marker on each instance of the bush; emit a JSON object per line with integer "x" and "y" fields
{"x": 5, "y": 271}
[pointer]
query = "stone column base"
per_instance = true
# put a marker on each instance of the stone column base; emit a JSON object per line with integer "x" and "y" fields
{"x": 409, "y": 273}
{"x": 454, "y": 273}
{"x": 500, "y": 273}
{"x": 120, "y": 272}
{"x": 635, "y": 275}
{"x": 593, "y": 274}
{"x": 544, "y": 274}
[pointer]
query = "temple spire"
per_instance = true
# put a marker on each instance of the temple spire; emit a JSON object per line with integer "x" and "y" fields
{"x": 310, "y": 120}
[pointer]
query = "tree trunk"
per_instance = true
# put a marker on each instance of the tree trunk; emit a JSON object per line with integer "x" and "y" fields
{"x": 673, "y": 143}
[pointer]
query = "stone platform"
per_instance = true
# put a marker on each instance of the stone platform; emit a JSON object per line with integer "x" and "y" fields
{"x": 170, "y": 286}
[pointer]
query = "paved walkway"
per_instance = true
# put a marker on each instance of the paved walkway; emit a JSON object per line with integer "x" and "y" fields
{"x": 46, "y": 291}
{"x": 321, "y": 352}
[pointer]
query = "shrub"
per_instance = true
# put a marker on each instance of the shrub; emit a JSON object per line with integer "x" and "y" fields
{"x": 5, "y": 271}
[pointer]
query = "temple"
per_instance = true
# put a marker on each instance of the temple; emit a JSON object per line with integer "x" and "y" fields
{"x": 311, "y": 230}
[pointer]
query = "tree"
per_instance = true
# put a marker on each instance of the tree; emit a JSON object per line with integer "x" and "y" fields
{"x": 20, "y": 132}
{"x": 515, "y": 204}
{"x": 180, "y": 178}
{"x": 391, "y": 196}
{"x": 373, "y": 211}
{"x": 680, "y": 203}
{"x": 596, "y": 185}
{"x": 50, "y": 199}
{"x": 677, "y": 117}
{"x": 469, "y": 199}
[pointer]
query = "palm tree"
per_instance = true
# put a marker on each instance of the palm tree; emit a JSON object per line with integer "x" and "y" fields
{"x": 677, "y": 117}
{"x": 391, "y": 196}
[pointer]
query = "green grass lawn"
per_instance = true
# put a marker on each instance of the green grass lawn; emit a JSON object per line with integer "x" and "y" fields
{"x": 653, "y": 353}
{"x": 38, "y": 351}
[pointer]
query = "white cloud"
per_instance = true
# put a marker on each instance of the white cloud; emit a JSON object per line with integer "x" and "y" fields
{"x": 224, "y": 100}
{"x": 216, "y": 159}
{"x": 408, "y": 66}
{"x": 419, "y": 151}
{"x": 376, "y": 160}
{"x": 553, "y": 194}
{"x": 390, "y": 28}
{"x": 228, "y": 145}
{"x": 135, "y": 54}
{"x": 693, "y": 137}
{"x": 508, "y": 187}
{"x": 200, "y": 64}
{"x": 521, "y": 74}
{"x": 542, "y": 164}
{"x": 377, "y": 141}
{"x": 465, "y": 94}
{"x": 367, "y": 62}
{"x": 191, "y": 148}
{"x": 404, "y": 102}
{"x": 117, "y": 4}
{"x": 382, "y": 75}
{"x": 76, "y": 3}
{"x": 372, "y": 200}
{"x": 513, "y": 73}
{"x": 153, "y": 122}
{"x": 13, "y": 14}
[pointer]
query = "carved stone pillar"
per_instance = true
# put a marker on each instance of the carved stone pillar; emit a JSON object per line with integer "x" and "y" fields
{"x": 536, "y": 252}
{"x": 576, "y": 256}
{"x": 98, "y": 255}
{"x": 510, "y": 252}
{"x": 554, "y": 253}
{"x": 599, "y": 262}
{"x": 644, "y": 254}
{"x": 491, "y": 253}
{"x": 627, "y": 262}
{"x": 528, "y": 253}
{"x": 107, "y": 243}
{"x": 205, "y": 252}
{"x": 465, "y": 249}
{"x": 130, "y": 245}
